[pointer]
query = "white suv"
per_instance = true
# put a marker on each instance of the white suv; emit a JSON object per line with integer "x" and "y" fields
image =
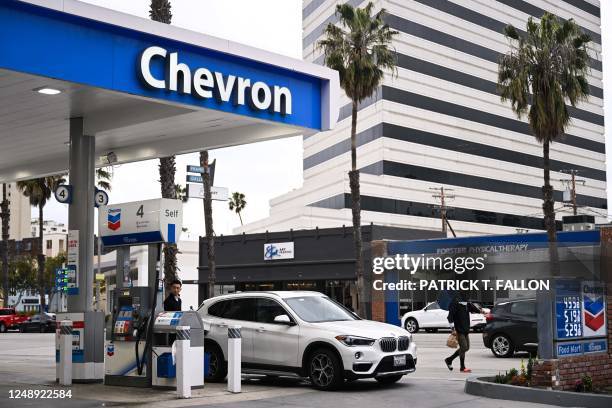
{"x": 305, "y": 334}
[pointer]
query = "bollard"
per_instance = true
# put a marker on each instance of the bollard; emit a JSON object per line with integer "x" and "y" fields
{"x": 65, "y": 351}
{"x": 183, "y": 338}
{"x": 234, "y": 374}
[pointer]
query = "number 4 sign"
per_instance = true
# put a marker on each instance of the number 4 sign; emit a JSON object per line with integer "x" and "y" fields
{"x": 63, "y": 194}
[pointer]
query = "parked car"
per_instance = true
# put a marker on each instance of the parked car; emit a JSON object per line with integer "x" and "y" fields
{"x": 512, "y": 326}
{"x": 40, "y": 323}
{"x": 484, "y": 308}
{"x": 9, "y": 319}
{"x": 432, "y": 317}
{"x": 305, "y": 334}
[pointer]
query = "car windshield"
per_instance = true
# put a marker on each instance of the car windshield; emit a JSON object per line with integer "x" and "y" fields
{"x": 319, "y": 309}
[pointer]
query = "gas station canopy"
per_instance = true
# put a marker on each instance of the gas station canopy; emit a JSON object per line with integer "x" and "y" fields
{"x": 144, "y": 89}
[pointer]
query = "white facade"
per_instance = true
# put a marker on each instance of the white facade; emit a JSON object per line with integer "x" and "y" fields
{"x": 55, "y": 236}
{"x": 439, "y": 122}
{"x": 19, "y": 224}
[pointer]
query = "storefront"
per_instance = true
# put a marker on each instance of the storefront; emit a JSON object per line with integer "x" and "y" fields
{"x": 519, "y": 262}
{"x": 320, "y": 259}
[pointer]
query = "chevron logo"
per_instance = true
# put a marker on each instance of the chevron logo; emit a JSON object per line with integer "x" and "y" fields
{"x": 594, "y": 312}
{"x": 114, "y": 220}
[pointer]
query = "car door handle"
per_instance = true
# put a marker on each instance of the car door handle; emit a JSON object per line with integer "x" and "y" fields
{"x": 260, "y": 330}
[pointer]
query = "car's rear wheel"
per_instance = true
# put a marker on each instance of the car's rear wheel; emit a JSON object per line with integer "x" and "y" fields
{"x": 43, "y": 329}
{"x": 501, "y": 346}
{"x": 411, "y": 325}
{"x": 217, "y": 370}
{"x": 325, "y": 370}
{"x": 2, "y": 328}
{"x": 21, "y": 329}
{"x": 389, "y": 379}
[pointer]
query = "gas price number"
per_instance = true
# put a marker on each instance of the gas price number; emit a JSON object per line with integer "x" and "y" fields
{"x": 569, "y": 317}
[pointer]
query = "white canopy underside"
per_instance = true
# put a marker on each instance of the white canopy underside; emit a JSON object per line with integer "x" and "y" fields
{"x": 34, "y": 128}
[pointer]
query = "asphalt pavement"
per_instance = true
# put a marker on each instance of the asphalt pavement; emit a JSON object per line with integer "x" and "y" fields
{"x": 27, "y": 362}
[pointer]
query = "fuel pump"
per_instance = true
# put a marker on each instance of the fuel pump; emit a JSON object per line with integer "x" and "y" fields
{"x": 129, "y": 332}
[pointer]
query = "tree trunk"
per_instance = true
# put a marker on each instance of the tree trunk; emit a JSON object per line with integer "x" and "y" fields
{"x": 356, "y": 210}
{"x": 41, "y": 260}
{"x": 167, "y": 171}
{"x": 4, "y": 209}
{"x": 208, "y": 221}
{"x": 240, "y": 216}
{"x": 161, "y": 11}
{"x": 549, "y": 213}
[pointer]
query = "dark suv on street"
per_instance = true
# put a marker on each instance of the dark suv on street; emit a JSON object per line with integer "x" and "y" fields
{"x": 512, "y": 326}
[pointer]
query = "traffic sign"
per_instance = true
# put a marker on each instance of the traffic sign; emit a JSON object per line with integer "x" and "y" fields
{"x": 195, "y": 169}
{"x": 200, "y": 170}
{"x": 216, "y": 193}
{"x": 63, "y": 194}
{"x": 194, "y": 179}
{"x": 100, "y": 198}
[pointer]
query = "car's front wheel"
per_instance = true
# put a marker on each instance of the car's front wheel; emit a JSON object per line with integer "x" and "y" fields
{"x": 325, "y": 370}
{"x": 411, "y": 325}
{"x": 501, "y": 346}
{"x": 389, "y": 379}
{"x": 217, "y": 369}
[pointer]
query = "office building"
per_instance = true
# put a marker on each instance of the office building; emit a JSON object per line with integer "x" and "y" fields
{"x": 440, "y": 122}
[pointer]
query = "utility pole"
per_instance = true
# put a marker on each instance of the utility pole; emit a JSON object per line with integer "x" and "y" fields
{"x": 571, "y": 185}
{"x": 5, "y": 215}
{"x": 440, "y": 194}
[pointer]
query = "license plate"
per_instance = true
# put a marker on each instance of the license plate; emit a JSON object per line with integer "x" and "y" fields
{"x": 399, "y": 361}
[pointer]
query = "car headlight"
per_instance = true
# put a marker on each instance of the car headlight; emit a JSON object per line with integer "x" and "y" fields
{"x": 355, "y": 340}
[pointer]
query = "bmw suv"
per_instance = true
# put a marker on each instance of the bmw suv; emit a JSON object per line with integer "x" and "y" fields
{"x": 305, "y": 334}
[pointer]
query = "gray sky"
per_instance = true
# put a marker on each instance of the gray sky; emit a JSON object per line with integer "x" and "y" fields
{"x": 257, "y": 170}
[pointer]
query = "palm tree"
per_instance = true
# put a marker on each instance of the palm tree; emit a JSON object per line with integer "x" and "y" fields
{"x": 544, "y": 68}
{"x": 360, "y": 50}
{"x": 5, "y": 215}
{"x": 160, "y": 11}
{"x": 208, "y": 223}
{"x": 237, "y": 203}
{"x": 104, "y": 175}
{"x": 39, "y": 192}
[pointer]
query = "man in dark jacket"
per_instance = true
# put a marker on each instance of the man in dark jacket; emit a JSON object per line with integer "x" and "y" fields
{"x": 459, "y": 319}
{"x": 173, "y": 302}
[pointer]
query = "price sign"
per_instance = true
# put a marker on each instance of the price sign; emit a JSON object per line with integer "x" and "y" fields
{"x": 569, "y": 317}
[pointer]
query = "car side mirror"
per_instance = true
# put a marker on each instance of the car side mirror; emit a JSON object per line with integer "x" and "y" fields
{"x": 283, "y": 319}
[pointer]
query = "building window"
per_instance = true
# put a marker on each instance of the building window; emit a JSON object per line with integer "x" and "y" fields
{"x": 61, "y": 245}
{"x": 49, "y": 244}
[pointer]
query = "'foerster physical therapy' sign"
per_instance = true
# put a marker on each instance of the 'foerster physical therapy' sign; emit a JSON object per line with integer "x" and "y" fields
{"x": 203, "y": 83}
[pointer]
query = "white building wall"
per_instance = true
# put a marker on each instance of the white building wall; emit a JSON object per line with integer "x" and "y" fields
{"x": 439, "y": 122}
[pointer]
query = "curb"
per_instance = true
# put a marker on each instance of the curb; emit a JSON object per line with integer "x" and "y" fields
{"x": 484, "y": 387}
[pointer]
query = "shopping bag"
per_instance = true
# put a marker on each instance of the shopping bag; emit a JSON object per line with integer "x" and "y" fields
{"x": 452, "y": 341}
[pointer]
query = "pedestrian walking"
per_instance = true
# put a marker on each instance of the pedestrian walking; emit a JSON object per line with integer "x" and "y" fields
{"x": 459, "y": 320}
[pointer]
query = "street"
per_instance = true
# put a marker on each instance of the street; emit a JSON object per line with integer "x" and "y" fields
{"x": 28, "y": 363}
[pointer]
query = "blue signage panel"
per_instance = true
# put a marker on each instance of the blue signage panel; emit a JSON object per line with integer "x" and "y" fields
{"x": 569, "y": 349}
{"x": 71, "y": 48}
{"x": 194, "y": 179}
{"x": 596, "y": 346}
{"x": 195, "y": 169}
{"x": 568, "y": 309}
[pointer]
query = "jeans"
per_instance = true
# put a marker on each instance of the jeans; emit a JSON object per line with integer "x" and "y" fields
{"x": 464, "y": 346}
